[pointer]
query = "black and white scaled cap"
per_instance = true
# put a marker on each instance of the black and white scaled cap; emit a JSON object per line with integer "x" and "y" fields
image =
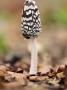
{"x": 30, "y": 20}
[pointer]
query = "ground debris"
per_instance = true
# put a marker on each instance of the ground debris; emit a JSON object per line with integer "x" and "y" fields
{"x": 53, "y": 77}
{"x": 18, "y": 77}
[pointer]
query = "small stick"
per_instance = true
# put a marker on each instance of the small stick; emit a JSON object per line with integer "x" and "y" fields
{"x": 34, "y": 57}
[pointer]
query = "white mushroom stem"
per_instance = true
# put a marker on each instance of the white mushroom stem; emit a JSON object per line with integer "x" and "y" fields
{"x": 34, "y": 57}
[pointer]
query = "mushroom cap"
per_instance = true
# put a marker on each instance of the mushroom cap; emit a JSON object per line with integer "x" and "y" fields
{"x": 30, "y": 20}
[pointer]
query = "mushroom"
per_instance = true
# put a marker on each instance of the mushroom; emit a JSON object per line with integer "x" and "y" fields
{"x": 30, "y": 28}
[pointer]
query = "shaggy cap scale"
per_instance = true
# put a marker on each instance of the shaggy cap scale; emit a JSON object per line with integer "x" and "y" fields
{"x": 30, "y": 20}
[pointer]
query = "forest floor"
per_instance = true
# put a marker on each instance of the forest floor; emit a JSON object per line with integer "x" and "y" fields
{"x": 12, "y": 77}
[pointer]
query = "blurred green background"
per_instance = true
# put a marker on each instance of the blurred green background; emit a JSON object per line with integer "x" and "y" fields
{"x": 52, "y": 39}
